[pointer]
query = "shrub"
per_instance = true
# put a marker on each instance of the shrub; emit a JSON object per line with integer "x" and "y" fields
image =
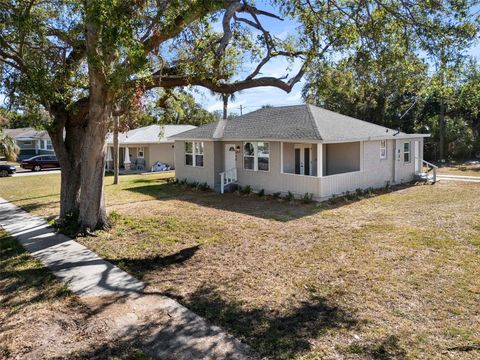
{"x": 289, "y": 196}
{"x": 276, "y": 195}
{"x": 245, "y": 190}
{"x": 261, "y": 193}
{"x": 203, "y": 186}
{"x": 307, "y": 198}
{"x": 333, "y": 199}
{"x": 194, "y": 184}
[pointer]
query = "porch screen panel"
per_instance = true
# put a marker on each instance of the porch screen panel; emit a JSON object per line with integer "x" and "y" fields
{"x": 307, "y": 161}
{"x": 297, "y": 161}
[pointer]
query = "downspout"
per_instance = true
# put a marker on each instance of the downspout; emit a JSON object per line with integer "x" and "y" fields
{"x": 394, "y": 160}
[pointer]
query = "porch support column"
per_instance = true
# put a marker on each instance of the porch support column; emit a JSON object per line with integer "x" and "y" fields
{"x": 319, "y": 160}
{"x": 109, "y": 157}
{"x": 126, "y": 160}
{"x": 281, "y": 157}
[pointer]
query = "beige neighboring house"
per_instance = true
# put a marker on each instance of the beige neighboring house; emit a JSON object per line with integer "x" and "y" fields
{"x": 141, "y": 148}
{"x": 302, "y": 149}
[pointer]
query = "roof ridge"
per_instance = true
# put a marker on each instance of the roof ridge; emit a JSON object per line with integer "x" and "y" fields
{"x": 351, "y": 117}
{"x": 317, "y": 128}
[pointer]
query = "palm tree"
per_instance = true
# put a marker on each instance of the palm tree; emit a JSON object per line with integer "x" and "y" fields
{"x": 8, "y": 147}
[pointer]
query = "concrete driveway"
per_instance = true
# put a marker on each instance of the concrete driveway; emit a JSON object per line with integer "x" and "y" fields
{"x": 37, "y": 173}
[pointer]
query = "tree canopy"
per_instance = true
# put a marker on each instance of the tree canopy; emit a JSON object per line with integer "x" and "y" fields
{"x": 84, "y": 61}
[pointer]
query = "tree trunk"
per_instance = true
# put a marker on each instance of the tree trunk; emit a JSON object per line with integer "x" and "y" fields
{"x": 92, "y": 198}
{"x": 116, "y": 151}
{"x": 67, "y": 149}
{"x": 441, "y": 127}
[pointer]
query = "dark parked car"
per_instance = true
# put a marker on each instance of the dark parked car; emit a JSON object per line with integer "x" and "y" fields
{"x": 6, "y": 170}
{"x": 40, "y": 162}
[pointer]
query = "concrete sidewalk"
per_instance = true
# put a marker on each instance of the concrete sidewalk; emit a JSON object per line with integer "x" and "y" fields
{"x": 459, "y": 178}
{"x": 164, "y": 328}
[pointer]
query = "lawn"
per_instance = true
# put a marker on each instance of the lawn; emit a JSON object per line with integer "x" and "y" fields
{"x": 460, "y": 169}
{"x": 41, "y": 319}
{"x": 390, "y": 276}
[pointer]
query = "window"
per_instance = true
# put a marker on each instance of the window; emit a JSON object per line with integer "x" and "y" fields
{"x": 406, "y": 152}
{"x": 199, "y": 154}
{"x": 49, "y": 145}
{"x": 263, "y": 154}
{"x": 249, "y": 156}
{"x": 256, "y": 156}
{"x": 189, "y": 153}
{"x": 383, "y": 149}
{"x": 27, "y": 142}
{"x": 141, "y": 153}
{"x": 194, "y": 153}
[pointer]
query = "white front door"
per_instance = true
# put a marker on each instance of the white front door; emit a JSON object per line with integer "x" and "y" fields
{"x": 303, "y": 159}
{"x": 229, "y": 157}
{"x": 417, "y": 157}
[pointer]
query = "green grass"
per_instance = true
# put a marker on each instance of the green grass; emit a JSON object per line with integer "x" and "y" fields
{"x": 459, "y": 169}
{"x": 390, "y": 276}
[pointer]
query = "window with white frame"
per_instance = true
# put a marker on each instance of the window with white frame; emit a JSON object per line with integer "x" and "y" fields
{"x": 263, "y": 155}
{"x": 194, "y": 153}
{"x": 27, "y": 142}
{"x": 406, "y": 152}
{"x": 249, "y": 156}
{"x": 141, "y": 152}
{"x": 383, "y": 149}
{"x": 198, "y": 154}
{"x": 49, "y": 145}
{"x": 256, "y": 156}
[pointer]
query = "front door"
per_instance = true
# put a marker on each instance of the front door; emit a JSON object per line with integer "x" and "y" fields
{"x": 303, "y": 159}
{"x": 229, "y": 157}
{"x": 417, "y": 157}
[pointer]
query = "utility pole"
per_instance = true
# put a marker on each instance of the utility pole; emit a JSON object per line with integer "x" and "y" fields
{"x": 225, "y": 105}
{"x": 241, "y": 110}
{"x": 116, "y": 150}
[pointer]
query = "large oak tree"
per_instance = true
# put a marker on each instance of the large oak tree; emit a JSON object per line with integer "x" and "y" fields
{"x": 86, "y": 60}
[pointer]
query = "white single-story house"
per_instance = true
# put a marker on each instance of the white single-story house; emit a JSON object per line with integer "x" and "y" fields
{"x": 141, "y": 148}
{"x": 301, "y": 149}
{"x": 31, "y": 142}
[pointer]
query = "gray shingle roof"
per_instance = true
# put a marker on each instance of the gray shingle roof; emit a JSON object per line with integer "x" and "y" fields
{"x": 150, "y": 134}
{"x": 26, "y": 133}
{"x": 298, "y": 122}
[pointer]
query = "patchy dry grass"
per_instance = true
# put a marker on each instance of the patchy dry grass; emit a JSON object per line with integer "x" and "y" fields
{"x": 460, "y": 169}
{"x": 41, "y": 319}
{"x": 393, "y": 276}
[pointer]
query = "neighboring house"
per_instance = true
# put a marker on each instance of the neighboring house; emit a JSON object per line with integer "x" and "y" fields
{"x": 302, "y": 149}
{"x": 141, "y": 148}
{"x": 31, "y": 142}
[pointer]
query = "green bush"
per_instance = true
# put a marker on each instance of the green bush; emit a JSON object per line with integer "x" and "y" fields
{"x": 245, "y": 190}
{"x": 202, "y": 186}
{"x": 307, "y": 198}
{"x": 289, "y": 196}
{"x": 276, "y": 195}
{"x": 261, "y": 193}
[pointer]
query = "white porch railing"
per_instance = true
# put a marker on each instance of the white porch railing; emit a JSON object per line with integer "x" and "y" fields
{"x": 433, "y": 168}
{"x": 227, "y": 177}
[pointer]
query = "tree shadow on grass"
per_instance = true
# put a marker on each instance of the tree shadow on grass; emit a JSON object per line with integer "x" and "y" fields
{"x": 19, "y": 273}
{"x": 270, "y": 332}
{"x": 139, "y": 267}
